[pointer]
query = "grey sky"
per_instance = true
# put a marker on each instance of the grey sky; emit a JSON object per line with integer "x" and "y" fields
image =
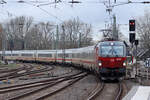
{"x": 89, "y": 11}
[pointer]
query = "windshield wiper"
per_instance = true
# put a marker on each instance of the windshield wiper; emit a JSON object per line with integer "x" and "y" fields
{"x": 116, "y": 55}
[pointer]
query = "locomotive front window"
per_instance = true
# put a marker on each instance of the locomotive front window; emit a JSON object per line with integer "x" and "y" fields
{"x": 111, "y": 51}
{"x": 106, "y": 50}
{"x": 118, "y": 51}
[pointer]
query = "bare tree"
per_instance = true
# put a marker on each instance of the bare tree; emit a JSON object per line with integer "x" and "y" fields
{"x": 32, "y": 38}
{"x": 21, "y": 33}
{"x": 41, "y": 36}
{"x": 46, "y": 32}
{"x": 16, "y": 30}
{"x": 77, "y": 34}
{"x": 143, "y": 30}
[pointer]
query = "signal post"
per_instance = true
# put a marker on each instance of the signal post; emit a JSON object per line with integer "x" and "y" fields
{"x": 133, "y": 41}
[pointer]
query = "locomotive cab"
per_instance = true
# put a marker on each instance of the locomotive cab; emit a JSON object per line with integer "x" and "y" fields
{"x": 112, "y": 59}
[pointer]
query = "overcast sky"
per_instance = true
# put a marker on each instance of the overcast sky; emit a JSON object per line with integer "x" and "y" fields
{"x": 89, "y": 11}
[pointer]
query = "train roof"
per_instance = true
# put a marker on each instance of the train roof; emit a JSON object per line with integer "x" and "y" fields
{"x": 83, "y": 49}
{"x": 9, "y": 52}
{"x": 74, "y": 50}
{"x": 114, "y": 43}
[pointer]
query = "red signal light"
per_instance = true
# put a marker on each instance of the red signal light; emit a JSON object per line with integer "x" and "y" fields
{"x": 132, "y": 23}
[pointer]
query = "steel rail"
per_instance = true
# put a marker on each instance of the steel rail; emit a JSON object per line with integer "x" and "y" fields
{"x": 25, "y": 87}
{"x": 47, "y": 86}
{"x": 120, "y": 90}
{"x": 99, "y": 88}
{"x": 43, "y": 81}
{"x": 56, "y": 91}
{"x": 14, "y": 75}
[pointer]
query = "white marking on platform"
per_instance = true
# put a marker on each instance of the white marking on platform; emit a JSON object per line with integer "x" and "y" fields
{"x": 142, "y": 93}
{"x": 138, "y": 93}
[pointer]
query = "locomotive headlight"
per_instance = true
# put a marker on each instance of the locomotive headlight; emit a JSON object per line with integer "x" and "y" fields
{"x": 100, "y": 64}
{"x": 124, "y": 64}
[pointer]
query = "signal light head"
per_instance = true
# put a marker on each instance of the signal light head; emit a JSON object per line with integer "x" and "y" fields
{"x": 131, "y": 25}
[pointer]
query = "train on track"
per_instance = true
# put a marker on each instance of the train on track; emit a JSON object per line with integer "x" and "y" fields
{"x": 107, "y": 58}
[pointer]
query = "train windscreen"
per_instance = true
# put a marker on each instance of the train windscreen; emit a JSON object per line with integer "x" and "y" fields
{"x": 111, "y": 51}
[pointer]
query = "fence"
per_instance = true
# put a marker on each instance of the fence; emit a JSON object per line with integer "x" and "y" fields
{"x": 143, "y": 73}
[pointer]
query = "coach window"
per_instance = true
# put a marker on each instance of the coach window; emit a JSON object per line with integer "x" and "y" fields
{"x": 67, "y": 55}
{"x": 45, "y": 55}
{"x": 27, "y": 55}
{"x": 15, "y": 55}
{"x": 83, "y": 55}
{"x": 60, "y": 55}
{"x": 72, "y": 55}
{"x": 90, "y": 55}
{"x": 9, "y": 54}
{"x": 78, "y": 54}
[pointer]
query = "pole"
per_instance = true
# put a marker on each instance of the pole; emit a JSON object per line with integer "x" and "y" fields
{"x": 79, "y": 42}
{"x": 63, "y": 48}
{"x": 21, "y": 31}
{"x": 136, "y": 62}
{"x": 56, "y": 46}
{"x": 147, "y": 74}
{"x": 3, "y": 46}
{"x": 115, "y": 33}
{"x": 133, "y": 68}
{"x": 53, "y": 43}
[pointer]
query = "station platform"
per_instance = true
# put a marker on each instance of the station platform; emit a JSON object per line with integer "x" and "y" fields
{"x": 138, "y": 93}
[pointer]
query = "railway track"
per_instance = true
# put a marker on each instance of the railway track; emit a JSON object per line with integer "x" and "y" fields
{"x": 107, "y": 91}
{"x": 13, "y": 72}
{"x": 24, "y": 67}
{"x": 53, "y": 87}
{"x": 34, "y": 84}
{"x": 99, "y": 87}
{"x": 40, "y": 90}
{"x": 28, "y": 71}
{"x": 120, "y": 91}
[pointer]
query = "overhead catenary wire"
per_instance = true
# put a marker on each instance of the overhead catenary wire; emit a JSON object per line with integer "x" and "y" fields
{"x": 3, "y": 2}
{"x": 8, "y": 13}
{"x": 50, "y": 14}
{"x": 39, "y": 3}
{"x": 50, "y": 3}
{"x": 47, "y": 2}
{"x": 39, "y": 6}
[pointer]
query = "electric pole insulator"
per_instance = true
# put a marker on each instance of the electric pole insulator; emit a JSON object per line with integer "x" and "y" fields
{"x": 146, "y": 2}
{"x": 20, "y": 1}
{"x": 74, "y": 1}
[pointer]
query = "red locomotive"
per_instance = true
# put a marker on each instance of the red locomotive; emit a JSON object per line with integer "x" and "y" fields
{"x": 111, "y": 59}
